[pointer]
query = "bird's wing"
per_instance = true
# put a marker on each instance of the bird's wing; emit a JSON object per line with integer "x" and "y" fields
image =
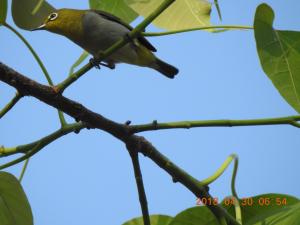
{"x": 111, "y": 17}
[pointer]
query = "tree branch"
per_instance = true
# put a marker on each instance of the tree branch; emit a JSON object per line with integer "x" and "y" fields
{"x": 177, "y": 174}
{"x": 222, "y": 27}
{"x": 75, "y": 127}
{"x": 140, "y": 185}
{"x": 289, "y": 120}
{"x": 47, "y": 95}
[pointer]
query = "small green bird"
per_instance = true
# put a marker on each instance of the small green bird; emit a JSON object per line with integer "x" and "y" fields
{"x": 95, "y": 31}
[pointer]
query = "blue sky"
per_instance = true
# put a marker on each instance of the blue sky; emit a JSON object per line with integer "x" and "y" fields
{"x": 88, "y": 178}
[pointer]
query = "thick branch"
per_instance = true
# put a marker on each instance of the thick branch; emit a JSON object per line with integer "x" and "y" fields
{"x": 178, "y": 175}
{"x": 46, "y": 94}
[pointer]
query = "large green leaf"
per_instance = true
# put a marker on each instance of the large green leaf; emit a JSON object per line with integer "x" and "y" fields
{"x": 3, "y": 11}
{"x": 117, "y": 7}
{"x": 14, "y": 206}
{"x": 154, "y": 219}
{"x": 182, "y": 14}
{"x": 289, "y": 216}
{"x": 268, "y": 209}
{"x": 199, "y": 215}
{"x": 279, "y": 54}
{"x": 22, "y": 12}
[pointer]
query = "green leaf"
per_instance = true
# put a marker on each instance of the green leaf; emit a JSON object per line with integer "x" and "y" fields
{"x": 154, "y": 219}
{"x": 116, "y": 7}
{"x": 279, "y": 54}
{"x": 182, "y": 14}
{"x": 81, "y": 58}
{"x": 289, "y": 216}
{"x": 268, "y": 209}
{"x": 199, "y": 215}
{"x": 3, "y": 11}
{"x": 22, "y": 12}
{"x": 14, "y": 206}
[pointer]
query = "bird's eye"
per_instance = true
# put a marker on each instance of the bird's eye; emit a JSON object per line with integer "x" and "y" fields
{"x": 53, "y": 16}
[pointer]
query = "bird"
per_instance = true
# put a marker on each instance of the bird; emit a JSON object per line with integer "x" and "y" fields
{"x": 95, "y": 31}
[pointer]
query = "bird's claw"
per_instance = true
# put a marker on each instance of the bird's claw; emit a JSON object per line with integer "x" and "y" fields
{"x": 111, "y": 65}
{"x": 95, "y": 63}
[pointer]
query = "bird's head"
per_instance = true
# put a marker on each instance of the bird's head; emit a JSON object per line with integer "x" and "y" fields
{"x": 67, "y": 22}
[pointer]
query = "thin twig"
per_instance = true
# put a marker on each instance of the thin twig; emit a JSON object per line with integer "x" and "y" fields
{"x": 43, "y": 141}
{"x": 289, "y": 120}
{"x": 11, "y": 104}
{"x": 218, "y": 9}
{"x": 226, "y": 27}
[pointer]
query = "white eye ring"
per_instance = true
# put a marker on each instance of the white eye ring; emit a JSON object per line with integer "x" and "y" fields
{"x": 53, "y": 16}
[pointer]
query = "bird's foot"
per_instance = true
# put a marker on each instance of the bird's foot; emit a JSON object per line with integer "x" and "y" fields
{"x": 97, "y": 63}
{"x": 109, "y": 64}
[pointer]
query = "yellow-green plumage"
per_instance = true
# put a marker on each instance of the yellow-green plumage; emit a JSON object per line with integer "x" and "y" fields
{"x": 95, "y": 31}
{"x": 67, "y": 24}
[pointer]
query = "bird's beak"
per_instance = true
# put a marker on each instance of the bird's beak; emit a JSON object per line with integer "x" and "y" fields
{"x": 42, "y": 27}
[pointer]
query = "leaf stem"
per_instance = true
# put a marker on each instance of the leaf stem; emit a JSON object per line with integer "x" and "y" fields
{"x": 218, "y": 9}
{"x": 289, "y": 120}
{"x": 10, "y": 105}
{"x": 217, "y": 174}
{"x": 23, "y": 170}
{"x": 35, "y": 55}
{"x": 39, "y": 61}
{"x": 221, "y": 170}
{"x": 238, "y": 211}
{"x": 234, "y": 27}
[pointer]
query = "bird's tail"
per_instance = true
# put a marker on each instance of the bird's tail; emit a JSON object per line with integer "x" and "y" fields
{"x": 165, "y": 68}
